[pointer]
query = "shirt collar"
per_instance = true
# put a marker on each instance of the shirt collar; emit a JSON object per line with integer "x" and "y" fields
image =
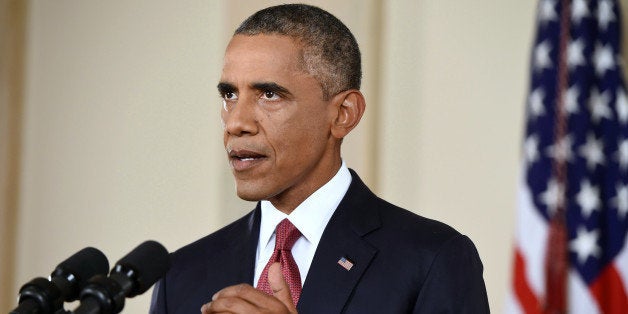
{"x": 313, "y": 214}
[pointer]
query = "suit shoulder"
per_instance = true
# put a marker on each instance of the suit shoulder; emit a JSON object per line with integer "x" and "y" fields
{"x": 388, "y": 221}
{"x": 429, "y": 243}
{"x": 415, "y": 229}
{"x": 212, "y": 244}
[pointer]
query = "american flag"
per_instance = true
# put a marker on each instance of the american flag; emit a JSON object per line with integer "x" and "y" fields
{"x": 571, "y": 254}
{"x": 345, "y": 263}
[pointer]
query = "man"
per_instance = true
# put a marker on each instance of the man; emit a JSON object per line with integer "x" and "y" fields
{"x": 318, "y": 238}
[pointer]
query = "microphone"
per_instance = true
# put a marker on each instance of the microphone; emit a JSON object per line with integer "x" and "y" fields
{"x": 132, "y": 275}
{"x": 43, "y": 296}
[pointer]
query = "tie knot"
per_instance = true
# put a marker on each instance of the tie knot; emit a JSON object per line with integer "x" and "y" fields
{"x": 286, "y": 235}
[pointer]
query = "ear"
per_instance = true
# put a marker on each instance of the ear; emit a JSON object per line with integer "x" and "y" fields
{"x": 348, "y": 107}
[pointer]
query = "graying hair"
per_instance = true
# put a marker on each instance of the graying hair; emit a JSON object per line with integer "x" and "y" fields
{"x": 330, "y": 52}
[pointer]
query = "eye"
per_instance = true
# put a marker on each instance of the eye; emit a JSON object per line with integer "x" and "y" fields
{"x": 229, "y": 96}
{"x": 228, "y": 99}
{"x": 270, "y": 95}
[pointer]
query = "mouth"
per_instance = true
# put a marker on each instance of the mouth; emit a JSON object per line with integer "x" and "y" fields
{"x": 241, "y": 160}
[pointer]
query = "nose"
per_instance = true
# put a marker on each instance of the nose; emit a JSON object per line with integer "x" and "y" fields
{"x": 240, "y": 118}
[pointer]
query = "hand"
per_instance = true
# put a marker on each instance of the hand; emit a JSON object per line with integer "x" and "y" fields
{"x": 244, "y": 298}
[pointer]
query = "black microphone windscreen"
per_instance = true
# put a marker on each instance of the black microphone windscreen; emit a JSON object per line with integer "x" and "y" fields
{"x": 149, "y": 262}
{"x": 79, "y": 268}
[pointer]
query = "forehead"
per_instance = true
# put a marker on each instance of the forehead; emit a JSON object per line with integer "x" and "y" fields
{"x": 261, "y": 54}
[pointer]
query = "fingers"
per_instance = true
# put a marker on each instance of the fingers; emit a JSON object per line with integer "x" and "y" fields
{"x": 240, "y": 298}
{"x": 280, "y": 287}
{"x": 229, "y": 304}
{"x": 243, "y": 299}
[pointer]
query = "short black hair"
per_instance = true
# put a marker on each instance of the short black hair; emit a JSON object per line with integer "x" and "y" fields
{"x": 329, "y": 50}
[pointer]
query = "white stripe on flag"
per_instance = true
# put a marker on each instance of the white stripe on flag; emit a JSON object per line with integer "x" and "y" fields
{"x": 532, "y": 233}
{"x": 512, "y": 305}
{"x": 580, "y": 300}
{"x": 621, "y": 264}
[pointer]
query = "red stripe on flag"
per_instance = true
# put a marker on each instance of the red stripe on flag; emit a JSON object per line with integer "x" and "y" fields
{"x": 526, "y": 297}
{"x": 608, "y": 291}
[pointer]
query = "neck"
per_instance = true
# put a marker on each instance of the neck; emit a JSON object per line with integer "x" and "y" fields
{"x": 289, "y": 200}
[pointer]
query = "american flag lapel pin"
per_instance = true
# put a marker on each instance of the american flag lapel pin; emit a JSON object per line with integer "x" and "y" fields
{"x": 345, "y": 263}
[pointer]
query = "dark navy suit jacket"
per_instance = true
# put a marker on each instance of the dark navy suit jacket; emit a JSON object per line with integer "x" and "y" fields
{"x": 402, "y": 263}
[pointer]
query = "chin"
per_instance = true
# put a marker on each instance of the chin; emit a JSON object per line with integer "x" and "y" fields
{"x": 250, "y": 194}
{"x": 249, "y": 197}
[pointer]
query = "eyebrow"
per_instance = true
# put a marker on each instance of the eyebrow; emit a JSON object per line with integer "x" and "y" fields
{"x": 271, "y": 87}
{"x": 224, "y": 87}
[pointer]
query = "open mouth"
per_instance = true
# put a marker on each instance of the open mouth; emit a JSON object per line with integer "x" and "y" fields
{"x": 245, "y": 155}
{"x": 244, "y": 159}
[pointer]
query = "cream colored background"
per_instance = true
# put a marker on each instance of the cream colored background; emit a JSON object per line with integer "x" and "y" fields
{"x": 121, "y": 139}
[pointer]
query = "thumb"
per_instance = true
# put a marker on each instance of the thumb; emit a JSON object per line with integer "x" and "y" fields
{"x": 280, "y": 287}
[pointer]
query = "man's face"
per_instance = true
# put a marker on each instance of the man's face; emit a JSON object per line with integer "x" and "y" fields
{"x": 276, "y": 123}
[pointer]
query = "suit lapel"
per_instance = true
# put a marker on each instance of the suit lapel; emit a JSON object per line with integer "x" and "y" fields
{"x": 240, "y": 265}
{"x": 329, "y": 285}
{"x": 247, "y": 251}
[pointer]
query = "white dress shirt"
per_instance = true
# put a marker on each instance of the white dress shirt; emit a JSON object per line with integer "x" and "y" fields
{"x": 310, "y": 217}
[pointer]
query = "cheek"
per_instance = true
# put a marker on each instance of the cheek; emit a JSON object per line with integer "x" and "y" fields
{"x": 300, "y": 139}
{"x": 298, "y": 133}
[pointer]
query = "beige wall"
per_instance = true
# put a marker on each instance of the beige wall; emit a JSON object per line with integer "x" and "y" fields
{"x": 121, "y": 138}
{"x": 12, "y": 34}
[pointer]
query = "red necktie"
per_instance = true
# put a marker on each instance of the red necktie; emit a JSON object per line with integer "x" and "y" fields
{"x": 286, "y": 235}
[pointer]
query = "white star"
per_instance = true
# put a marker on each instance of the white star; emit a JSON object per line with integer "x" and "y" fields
{"x": 588, "y": 198}
{"x": 553, "y": 197}
{"x": 575, "y": 54}
{"x": 622, "y": 154}
{"x": 531, "y": 149}
{"x": 561, "y": 151}
{"x": 603, "y": 59}
{"x": 541, "y": 56}
{"x": 571, "y": 99}
{"x": 547, "y": 11}
{"x": 579, "y": 10}
{"x": 598, "y": 104}
{"x": 605, "y": 14}
{"x": 585, "y": 244}
{"x": 535, "y": 100}
{"x": 593, "y": 151}
{"x": 621, "y": 104}
{"x": 621, "y": 200}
